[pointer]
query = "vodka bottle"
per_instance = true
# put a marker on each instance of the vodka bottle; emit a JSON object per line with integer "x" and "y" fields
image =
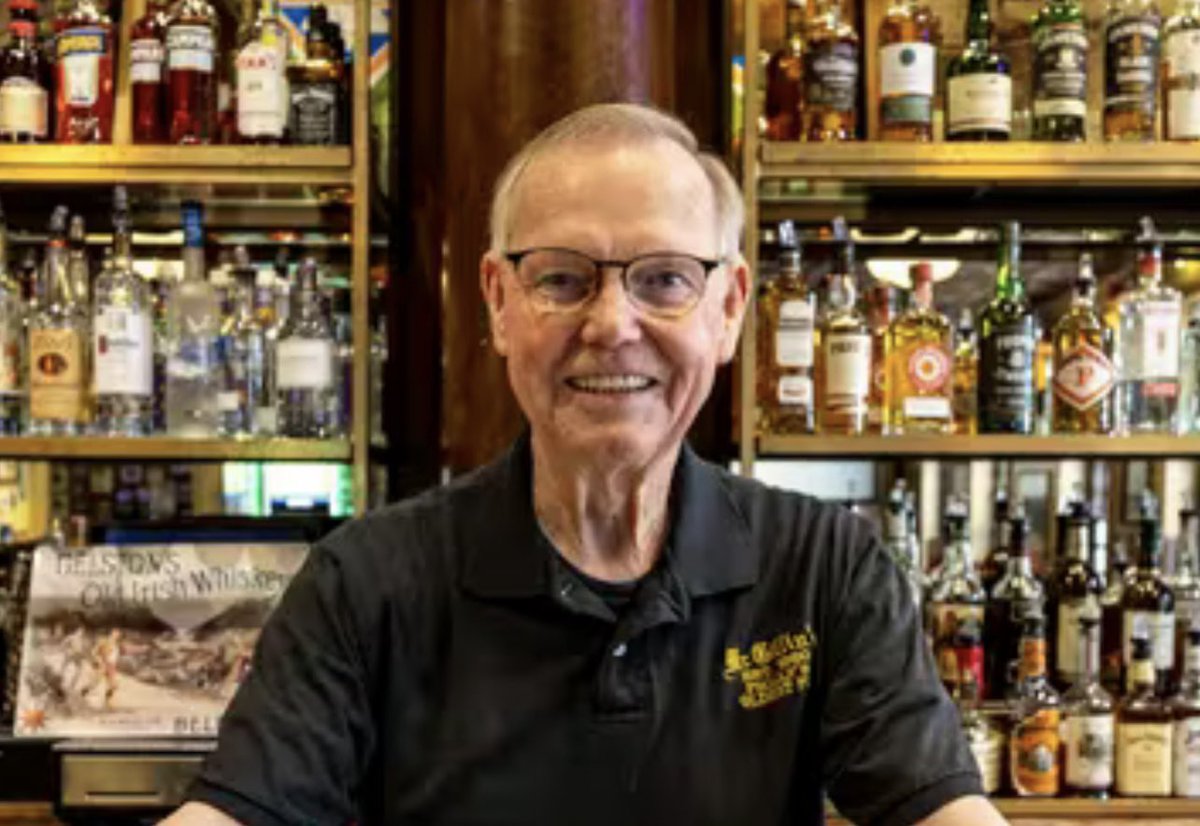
{"x": 193, "y": 324}
{"x": 12, "y": 335}
{"x": 244, "y": 373}
{"x": 122, "y": 339}
{"x": 304, "y": 357}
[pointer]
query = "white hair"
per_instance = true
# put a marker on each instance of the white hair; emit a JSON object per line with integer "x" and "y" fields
{"x": 620, "y": 123}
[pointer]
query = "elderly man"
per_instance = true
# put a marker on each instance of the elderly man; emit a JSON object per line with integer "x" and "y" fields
{"x": 599, "y": 627}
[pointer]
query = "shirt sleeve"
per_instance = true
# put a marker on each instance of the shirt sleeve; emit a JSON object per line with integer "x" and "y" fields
{"x": 296, "y": 740}
{"x": 893, "y": 751}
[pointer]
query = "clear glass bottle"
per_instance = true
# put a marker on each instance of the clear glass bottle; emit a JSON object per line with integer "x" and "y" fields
{"x": 1185, "y": 708}
{"x": 244, "y": 368}
{"x": 979, "y": 84}
{"x": 1035, "y": 756}
{"x": 1018, "y": 594}
{"x": 1132, "y": 30}
{"x": 920, "y": 363}
{"x": 896, "y": 539}
{"x": 304, "y": 356}
{"x": 12, "y": 344}
{"x": 122, "y": 338}
{"x": 984, "y": 739}
{"x": 193, "y": 325}
{"x": 1007, "y": 345}
{"x": 1144, "y": 731}
{"x": 263, "y": 98}
{"x": 266, "y": 418}
{"x": 1060, "y": 72}
{"x": 1148, "y": 604}
{"x": 84, "y": 60}
{"x": 1074, "y": 595}
{"x": 787, "y": 343}
{"x": 966, "y": 375}
{"x": 831, "y": 61}
{"x": 1189, "y": 380}
{"x": 956, "y": 602}
{"x": 1084, "y": 376}
{"x": 1181, "y": 73}
{"x": 1186, "y": 583}
{"x": 785, "y": 79}
{"x": 907, "y": 71}
{"x": 192, "y": 36}
{"x": 844, "y": 369}
{"x": 1088, "y": 721}
{"x": 24, "y": 79}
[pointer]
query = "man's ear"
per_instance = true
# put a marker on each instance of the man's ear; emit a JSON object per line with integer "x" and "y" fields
{"x": 491, "y": 284}
{"x": 733, "y": 307}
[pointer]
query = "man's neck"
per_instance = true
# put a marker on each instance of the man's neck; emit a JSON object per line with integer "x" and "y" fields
{"x": 609, "y": 523}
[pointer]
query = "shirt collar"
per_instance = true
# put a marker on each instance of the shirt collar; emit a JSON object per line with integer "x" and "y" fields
{"x": 506, "y": 555}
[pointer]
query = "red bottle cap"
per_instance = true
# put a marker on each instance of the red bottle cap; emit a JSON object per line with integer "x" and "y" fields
{"x": 921, "y": 273}
{"x": 22, "y": 5}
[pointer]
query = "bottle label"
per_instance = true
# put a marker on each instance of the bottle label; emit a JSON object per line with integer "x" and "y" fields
{"x": 304, "y": 364}
{"x": 56, "y": 375}
{"x": 23, "y": 107}
{"x": 122, "y": 353}
{"x": 847, "y": 370}
{"x": 146, "y": 56}
{"x": 794, "y": 339}
{"x": 1183, "y": 114}
{"x": 987, "y": 751}
{"x": 10, "y": 358}
{"x": 1131, "y": 64}
{"x": 831, "y": 72}
{"x": 315, "y": 114}
{"x": 229, "y": 401}
{"x": 79, "y": 53}
{"x": 981, "y": 101}
{"x": 1007, "y": 375}
{"x": 907, "y": 75}
{"x": 796, "y": 391}
{"x": 1089, "y": 751}
{"x": 1144, "y": 759}
{"x": 1035, "y": 753}
{"x": 945, "y": 620}
{"x": 1160, "y": 339}
{"x": 929, "y": 368}
{"x": 190, "y": 48}
{"x": 1158, "y": 628}
{"x": 1186, "y": 757}
{"x": 1060, "y": 70}
{"x": 1085, "y": 378}
{"x": 260, "y": 89}
{"x": 927, "y": 407}
{"x": 1067, "y": 653}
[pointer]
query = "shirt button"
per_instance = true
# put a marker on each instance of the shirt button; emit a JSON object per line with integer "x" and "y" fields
{"x": 566, "y": 589}
{"x": 619, "y": 650}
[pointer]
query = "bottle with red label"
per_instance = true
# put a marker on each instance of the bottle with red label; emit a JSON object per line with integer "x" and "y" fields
{"x": 147, "y": 73}
{"x": 24, "y": 102}
{"x": 83, "y": 103}
{"x": 263, "y": 101}
{"x": 1084, "y": 376}
{"x": 920, "y": 362}
{"x": 192, "y": 35}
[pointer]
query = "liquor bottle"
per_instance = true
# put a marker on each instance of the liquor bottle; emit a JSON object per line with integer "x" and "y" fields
{"x": 193, "y": 324}
{"x": 24, "y": 100}
{"x": 896, "y": 539}
{"x": 920, "y": 362}
{"x": 78, "y": 271}
{"x": 1144, "y": 730}
{"x": 1074, "y": 594}
{"x": 1060, "y": 66}
{"x": 996, "y": 562}
{"x": 57, "y": 345}
{"x": 1006, "y": 347}
{"x": 262, "y": 93}
{"x": 1186, "y": 584}
{"x": 1112, "y": 624}
{"x": 966, "y": 376}
{"x": 122, "y": 338}
{"x": 956, "y": 602}
{"x": 341, "y": 401}
{"x": 1147, "y": 346}
{"x": 1131, "y": 36}
{"x": 12, "y": 335}
{"x": 1084, "y": 376}
{"x": 244, "y": 387}
{"x": 830, "y": 76}
{"x": 1181, "y": 73}
{"x": 907, "y": 72}
{"x": 787, "y": 343}
{"x": 1035, "y": 757}
{"x": 979, "y": 84}
{"x": 192, "y": 34}
{"x": 1189, "y": 380}
{"x": 147, "y": 57}
{"x": 1018, "y": 595}
{"x": 1088, "y": 721}
{"x": 785, "y": 80}
{"x": 984, "y": 739}
{"x": 1185, "y": 709}
{"x": 881, "y": 312}
{"x": 304, "y": 362}
{"x": 1148, "y": 605}
{"x": 84, "y": 101}
{"x": 845, "y": 364}
{"x": 316, "y": 87}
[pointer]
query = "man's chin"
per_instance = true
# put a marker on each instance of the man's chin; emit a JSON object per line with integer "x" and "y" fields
{"x": 616, "y": 444}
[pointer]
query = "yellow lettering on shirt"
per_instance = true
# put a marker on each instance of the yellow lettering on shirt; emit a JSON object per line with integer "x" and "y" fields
{"x": 770, "y": 670}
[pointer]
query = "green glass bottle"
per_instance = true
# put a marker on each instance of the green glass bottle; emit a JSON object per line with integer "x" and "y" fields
{"x": 979, "y": 85}
{"x": 1060, "y": 81}
{"x": 1006, "y": 347}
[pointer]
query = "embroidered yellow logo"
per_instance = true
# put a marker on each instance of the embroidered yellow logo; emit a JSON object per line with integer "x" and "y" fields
{"x": 772, "y": 670}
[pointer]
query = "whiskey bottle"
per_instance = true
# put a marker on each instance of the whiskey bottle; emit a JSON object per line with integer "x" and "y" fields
{"x": 304, "y": 362}
{"x": 1144, "y": 731}
{"x": 263, "y": 99}
{"x": 1189, "y": 383}
{"x": 1181, "y": 73}
{"x": 1060, "y": 80}
{"x": 1112, "y": 645}
{"x": 1147, "y": 346}
{"x": 830, "y": 76}
{"x": 1074, "y": 594}
{"x": 882, "y": 308}
{"x": 1186, "y": 584}
{"x": 1148, "y": 605}
{"x": 1185, "y": 709}
{"x": 996, "y": 562}
{"x": 316, "y": 87}
{"x": 1131, "y": 36}
{"x": 1035, "y": 757}
{"x": 785, "y": 80}
{"x": 984, "y": 739}
{"x": 1006, "y": 347}
{"x": 956, "y": 602}
{"x": 12, "y": 348}
{"x": 1018, "y": 595}
{"x": 147, "y": 57}
{"x": 787, "y": 344}
{"x": 84, "y": 100}
{"x": 845, "y": 364}
{"x": 24, "y": 79}
{"x": 193, "y": 324}
{"x": 192, "y": 34}
{"x": 919, "y": 363}
{"x": 979, "y": 84}
{"x": 1084, "y": 376}
{"x": 966, "y": 375}
{"x": 907, "y": 72}
{"x": 1088, "y": 722}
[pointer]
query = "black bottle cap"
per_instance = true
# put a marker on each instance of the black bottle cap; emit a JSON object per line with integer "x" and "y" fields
{"x": 1088, "y": 624}
{"x": 1193, "y": 637}
{"x": 1141, "y": 648}
{"x": 1033, "y": 625}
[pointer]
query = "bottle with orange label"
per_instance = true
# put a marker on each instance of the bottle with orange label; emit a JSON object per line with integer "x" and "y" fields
{"x": 1035, "y": 754}
{"x": 920, "y": 363}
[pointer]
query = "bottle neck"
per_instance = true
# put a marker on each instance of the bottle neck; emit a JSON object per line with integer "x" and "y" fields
{"x": 1089, "y": 654}
{"x": 1008, "y": 270}
{"x": 193, "y": 263}
{"x": 795, "y": 21}
{"x": 1142, "y": 676}
{"x": 1150, "y": 265}
{"x": 1076, "y": 542}
{"x": 56, "y": 285}
{"x": 1191, "y": 662}
{"x": 1085, "y": 292}
{"x": 979, "y": 24}
{"x": 922, "y": 296}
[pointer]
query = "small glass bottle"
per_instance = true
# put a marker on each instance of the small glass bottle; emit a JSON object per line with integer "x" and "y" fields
{"x": 1084, "y": 376}
{"x": 263, "y": 99}
{"x": 844, "y": 369}
{"x": 979, "y": 84}
{"x": 244, "y": 373}
{"x": 831, "y": 58}
{"x": 1181, "y": 73}
{"x": 12, "y": 345}
{"x": 966, "y": 376}
{"x": 24, "y": 79}
{"x": 1035, "y": 758}
{"x": 1144, "y": 731}
{"x": 1060, "y": 71}
{"x": 785, "y": 80}
{"x": 1189, "y": 380}
{"x": 304, "y": 356}
{"x": 1074, "y": 594}
{"x": 1185, "y": 708}
{"x": 1088, "y": 722}
{"x": 193, "y": 325}
{"x": 1132, "y": 29}
{"x": 147, "y": 59}
{"x": 1007, "y": 345}
{"x": 956, "y": 601}
{"x": 787, "y": 343}
{"x": 192, "y": 35}
{"x": 919, "y": 363}
{"x": 896, "y": 539}
{"x": 1018, "y": 594}
{"x": 84, "y": 50}
{"x": 907, "y": 72}
{"x": 1148, "y": 604}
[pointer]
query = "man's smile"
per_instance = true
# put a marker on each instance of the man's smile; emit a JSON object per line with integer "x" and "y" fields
{"x": 611, "y": 383}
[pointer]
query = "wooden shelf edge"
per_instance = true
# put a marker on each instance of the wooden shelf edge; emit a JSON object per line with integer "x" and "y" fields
{"x": 820, "y": 447}
{"x": 1117, "y": 807}
{"x": 157, "y": 448}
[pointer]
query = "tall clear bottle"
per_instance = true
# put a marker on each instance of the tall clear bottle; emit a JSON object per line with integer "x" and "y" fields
{"x": 304, "y": 358}
{"x": 1147, "y": 346}
{"x": 193, "y": 327}
{"x": 844, "y": 369}
{"x": 1186, "y": 583}
{"x": 1018, "y": 594}
{"x": 263, "y": 98}
{"x": 956, "y": 602}
{"x": 122, "y": 338}
{"x": 1181, "y": 73}
{"x": 1007, "y": 344}
{"x": 12, "y": 344}
{"x": 1185, "y": 708}
{"x": 896, "y": 539}
{"x": 244, "y": 371}
{"x": 1088, "y": 722}
{"x": 1189, "y": 380}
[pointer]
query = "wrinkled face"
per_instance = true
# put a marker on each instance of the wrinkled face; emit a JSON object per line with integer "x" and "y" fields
{"x": 609, "y": 382}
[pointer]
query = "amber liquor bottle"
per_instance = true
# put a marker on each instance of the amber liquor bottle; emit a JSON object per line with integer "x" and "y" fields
{"x": 882, "y": 309}
{"x": 1084, "y": 376}
{"x": 907, "y": 72}
{"x": 1112, "y": 646}
{"x": 1186, "y": 584}
{"x": 979, "y": 84}
{"x": 966, "y": 375}
{"x": 1144, "y": 730}
{"x": 1035, "y": 755}
{"x": 1148, "y": 604}
{"x": 920, "y": 364}
{"x": 1074, "y": 595}
{"x": 1018, "y": 595}
{"x": 844, "y": 368}
{"x": 1088, "y": 722}
{"x": 1006, "y": 347}
{"x": 316, "y": 87}
{"x": 1132, "y": 29}
{"x": 84, "y": 51}
{"x": 787, "y": 343}
{"x": 24, "y": 101}
{"x": 831, "y": 58}
{"x": 785, "y": 80}
{"x": 996, "y": 562}
{"x": 192, "y": 35}
{"x": 147, "y": 59}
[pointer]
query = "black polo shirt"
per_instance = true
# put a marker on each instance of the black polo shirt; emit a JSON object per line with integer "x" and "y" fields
{"x": 436, "y": 662}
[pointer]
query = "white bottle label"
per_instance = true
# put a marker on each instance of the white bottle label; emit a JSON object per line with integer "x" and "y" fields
{"x": 79, "y": 52}
{"x": 229, "y": 401}
{"x": 1181, "y": 53}
{"x": 190, "y": 48}
{"x": 986, "y": 751}
{"x": 1089, "y": 743}
{"x": 260, "y": 88}
{"x": 146, "y": 56}
{"x": 1067, "y": 649}
{"x": 1144, "y": 759}
{"x": 796, "y": 390}
{"x": 794, "y": 338}
{"x": 907, "y": 69}
{"x": 121, "y": 352}
{"x": 1183, "y": 119}
{"x": 23, "y": 107}
{"x": 1186, "y": 757}
{"x": 1159, "y": 628}
{"x": 979, "y": 101}
{"x": 927, "y": 407}
{"x": 848, "y": 367}
{"x": 1160, "y": 339}
{"x": 304, "y": 364}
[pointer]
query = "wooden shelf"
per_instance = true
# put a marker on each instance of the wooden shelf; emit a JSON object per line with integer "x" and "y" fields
{"x": 1000, "y": 164}
{"x": 997, "y": 446}
{"x": 259, "y": 165}
{"x": 157, "y": 448}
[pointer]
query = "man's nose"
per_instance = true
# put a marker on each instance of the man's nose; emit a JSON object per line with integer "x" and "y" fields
{"x": 611, "y": 318}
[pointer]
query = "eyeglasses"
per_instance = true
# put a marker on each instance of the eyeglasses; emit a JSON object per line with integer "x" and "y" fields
{"x": 663, "y": 284}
